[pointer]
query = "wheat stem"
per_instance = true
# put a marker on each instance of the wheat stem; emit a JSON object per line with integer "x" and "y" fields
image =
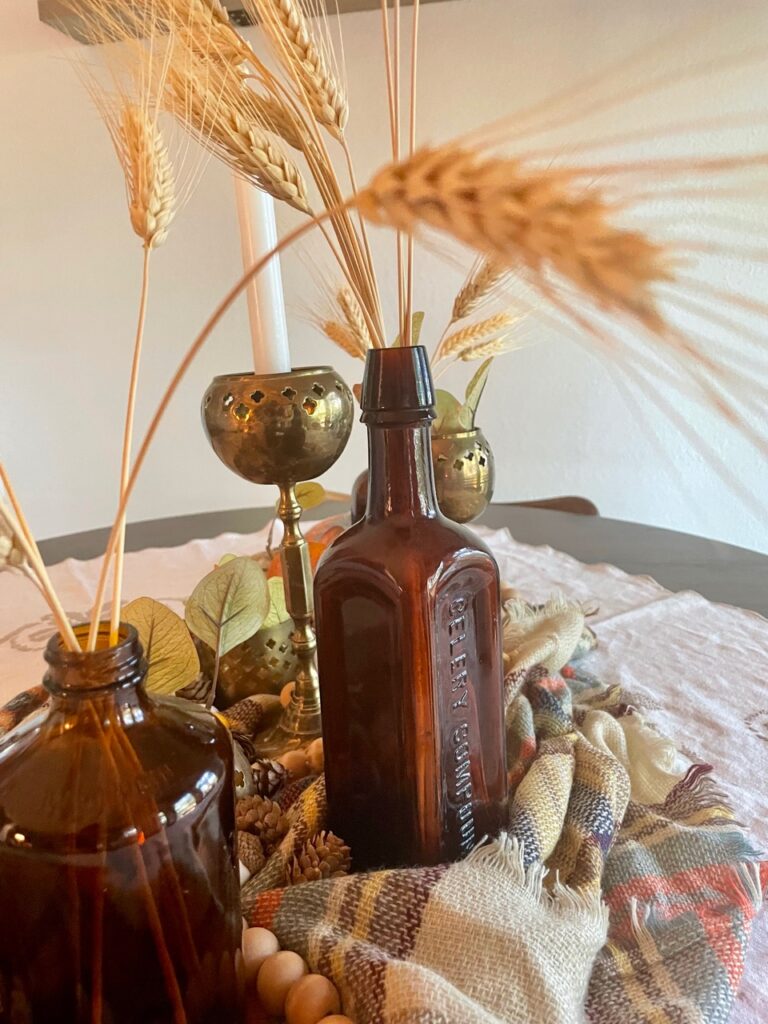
{"x": 411, "y": 150}
{"x": 125, "y": 460}
{"x": 19, "y": 526}
{"x": 178, "y": 376}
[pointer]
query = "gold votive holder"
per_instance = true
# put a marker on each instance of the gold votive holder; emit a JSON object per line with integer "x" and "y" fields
{"x": 282, "y": 429}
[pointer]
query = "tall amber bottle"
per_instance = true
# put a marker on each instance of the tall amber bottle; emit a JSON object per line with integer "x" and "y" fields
{"x": 409, "y": 649}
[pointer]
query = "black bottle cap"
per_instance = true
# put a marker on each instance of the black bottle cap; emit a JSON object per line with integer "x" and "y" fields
{"x": 398, "y": 380}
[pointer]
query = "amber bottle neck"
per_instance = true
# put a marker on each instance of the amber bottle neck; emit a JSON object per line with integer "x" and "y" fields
{"x": 398, "y": 400}
{"x": 401, "y": 480}
{"x": 119, "y": 668}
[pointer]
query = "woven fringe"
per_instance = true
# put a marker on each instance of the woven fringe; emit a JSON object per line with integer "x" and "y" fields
{"x": 507, "y": 855}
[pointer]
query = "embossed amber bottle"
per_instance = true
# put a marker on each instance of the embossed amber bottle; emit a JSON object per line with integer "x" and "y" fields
{"x": 409, "y": 648}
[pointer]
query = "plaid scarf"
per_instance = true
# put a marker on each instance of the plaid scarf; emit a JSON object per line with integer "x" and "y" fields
{"x": 599, "y": 822}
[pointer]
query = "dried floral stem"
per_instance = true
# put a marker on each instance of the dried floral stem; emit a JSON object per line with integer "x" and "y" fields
{"x": 540, "y": 220}
{"x": 484, "y": 276}
{"x": 125, "y": 459}
{"x": 411, "y": 150}
{"x": 17, "y": 522}
{"x": 468, "y": 337}
{"x": 394, "y": 131}
{"x": 181, "y": 371}
{"x": 304, "y": 60}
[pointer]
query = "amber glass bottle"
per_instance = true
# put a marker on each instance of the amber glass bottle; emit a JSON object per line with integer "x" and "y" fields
{"x": 118, "y": 884}
{"x": 409, "y": 647}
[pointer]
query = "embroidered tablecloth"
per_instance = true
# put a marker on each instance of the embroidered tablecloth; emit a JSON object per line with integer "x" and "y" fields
{"x": 663, "y": 648}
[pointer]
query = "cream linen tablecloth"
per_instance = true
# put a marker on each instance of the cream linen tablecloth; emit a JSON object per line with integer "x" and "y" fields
{"x": 662, "y": 647}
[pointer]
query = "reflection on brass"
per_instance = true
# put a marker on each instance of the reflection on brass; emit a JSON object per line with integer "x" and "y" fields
{"x": 281, "y": 429}
{"x": 464, "y": 474}
{"x": 263, "y": 663}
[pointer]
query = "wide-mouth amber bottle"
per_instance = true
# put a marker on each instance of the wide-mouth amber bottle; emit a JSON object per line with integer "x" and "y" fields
{"x": 409, "y": 647}
{"x": 118, "y": 883}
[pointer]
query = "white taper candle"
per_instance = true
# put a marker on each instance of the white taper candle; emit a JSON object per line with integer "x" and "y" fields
{"x": 266, "y": 302}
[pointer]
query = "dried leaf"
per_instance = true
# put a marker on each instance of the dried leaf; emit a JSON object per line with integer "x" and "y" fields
{"x": 417, "y": 321}
{"x": 229, "y": 604}
{"x": 448, "y": 410}
{"x": 278, "y": 610}
{"x": 476, "y": 386}
{"x": 310, "y": 494}
{"x": 169, "y": 649}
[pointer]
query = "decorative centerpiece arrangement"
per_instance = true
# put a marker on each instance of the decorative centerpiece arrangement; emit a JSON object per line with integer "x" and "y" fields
{"x": 132, "y": 841}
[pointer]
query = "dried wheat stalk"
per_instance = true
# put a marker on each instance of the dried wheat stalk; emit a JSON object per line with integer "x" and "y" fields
{"x": 224, "y": 114}
{"x": 486, "y": 349}
{"x": 205, "y": 27}
{"x": 467, "y": 337}
{"x": 483, "y": 278}
{"x": 341, "y": 335}
{"x": 522, "y": 218}
{"x": 149, "y": 178}
{"x": 304, "y": 60}
{"x": 353, "y": 318}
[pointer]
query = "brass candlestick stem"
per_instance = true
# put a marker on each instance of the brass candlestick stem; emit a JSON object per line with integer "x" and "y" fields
{"x": 281, "y": 429}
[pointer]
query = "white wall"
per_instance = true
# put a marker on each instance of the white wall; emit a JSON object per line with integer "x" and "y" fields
{"x": 69, "y": 273}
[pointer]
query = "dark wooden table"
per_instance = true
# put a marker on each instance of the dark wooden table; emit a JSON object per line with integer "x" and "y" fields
{"x": 679, "y": 561}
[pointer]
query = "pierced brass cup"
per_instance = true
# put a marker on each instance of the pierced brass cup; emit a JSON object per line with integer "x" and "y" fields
{"x": 283, "y": 428}
{"x": 464, "y": 474}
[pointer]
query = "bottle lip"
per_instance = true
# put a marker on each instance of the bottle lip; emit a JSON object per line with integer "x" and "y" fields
{"x": 103, "y": 668}
{"x": 397, "y": 385}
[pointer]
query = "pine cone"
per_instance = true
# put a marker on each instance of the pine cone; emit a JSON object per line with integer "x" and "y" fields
{"x": 250, "y": 851}
{"x": 269, "y": 776}
{"x": 263, "y": 818}
{"x": 325, "y": 856}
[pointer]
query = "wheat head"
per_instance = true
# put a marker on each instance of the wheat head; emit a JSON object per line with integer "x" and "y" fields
{"x": 304, "y": 60}
{"x": 341, "y": 335}
{"x": 470, "y": 335}
{"x": 148, "y": 175}
{"x": 540, "y": 220}
{"x": 353, "y": 317}
{"x": 480, "y": 282}
{"x": 278, "y": 118}
{"x": 486, "y": 349}
{"x": 216, "y": 105}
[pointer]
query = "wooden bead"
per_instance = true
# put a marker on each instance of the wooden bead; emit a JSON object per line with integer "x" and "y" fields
{"x": 258, "y": 944}
{"x": 295, "y": 763}
{"x": 310, "y": 999}
{"x": 315, "y": 758}
{"x": 286, "y": 693}
{"x": 335, "y": 1018}
{"x": 276, "y": 976}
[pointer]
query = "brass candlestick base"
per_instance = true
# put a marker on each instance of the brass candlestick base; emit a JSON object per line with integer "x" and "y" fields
{"x": 284, "y": 428}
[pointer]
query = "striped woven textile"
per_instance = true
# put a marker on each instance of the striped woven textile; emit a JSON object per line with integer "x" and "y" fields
{"x": 623, "y": 890}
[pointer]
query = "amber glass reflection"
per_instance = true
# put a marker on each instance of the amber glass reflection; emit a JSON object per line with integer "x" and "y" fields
{"x": 408, "y": 620}
{"x": 118, "y": 884}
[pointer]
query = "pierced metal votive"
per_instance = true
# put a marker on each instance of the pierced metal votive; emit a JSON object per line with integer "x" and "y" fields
{"x": 284, "y": 428}
{"x": 262, "y": 664}
{"x": 464, "y": 474}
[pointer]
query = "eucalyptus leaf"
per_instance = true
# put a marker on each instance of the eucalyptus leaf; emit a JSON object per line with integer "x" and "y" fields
{"x": 466, "y": 417}
{"x": 310, "y": 494}
{"x": 229, "y": 604}
{"x": 476, "y": 387}
{"x": 448, "y": 412}
{"x": 278, "y": 610}
{"x": 417, "y": 320}
{"x": 168, "y": 647}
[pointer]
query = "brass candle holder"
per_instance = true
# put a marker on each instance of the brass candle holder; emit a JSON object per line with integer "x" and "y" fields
{"x": 281, "y": 429}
